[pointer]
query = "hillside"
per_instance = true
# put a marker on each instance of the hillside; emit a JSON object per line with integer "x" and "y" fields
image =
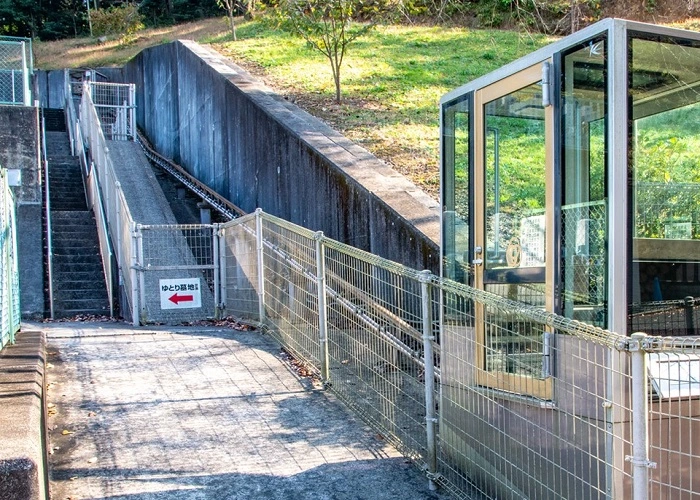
{"x": 392, "y": 78}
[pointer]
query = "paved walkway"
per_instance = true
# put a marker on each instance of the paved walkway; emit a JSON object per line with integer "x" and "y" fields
{"x": 203, "y": 412}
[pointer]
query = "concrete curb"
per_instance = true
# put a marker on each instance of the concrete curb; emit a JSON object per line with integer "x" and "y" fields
{"x": 23, "y": 473}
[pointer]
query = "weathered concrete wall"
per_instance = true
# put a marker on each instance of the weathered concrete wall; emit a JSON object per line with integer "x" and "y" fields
{"x": 258, "y": 150}
{"x": 23, "y": 459}
{"x": 49, "y": 88}
{"x": 19, "y": 149}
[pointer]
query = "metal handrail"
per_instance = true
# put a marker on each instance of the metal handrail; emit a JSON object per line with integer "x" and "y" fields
{"x": 97, "y": 204}
{"x": 49, "y": 238}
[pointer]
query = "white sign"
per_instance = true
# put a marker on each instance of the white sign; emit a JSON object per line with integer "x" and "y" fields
{"x": 180, "y": 293}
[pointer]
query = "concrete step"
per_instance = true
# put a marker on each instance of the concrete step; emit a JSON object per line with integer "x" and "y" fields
{"x": 71, "y": 277}
{"x": 55, "y": 119}
{"x": 64, "y": 245}
{"x": 75, "y": 217}
{"x": 68, "y": 206}
{"x": 77, "y": 259}
{"x": 70, "y": 308}
{"x": 62, "y": 293}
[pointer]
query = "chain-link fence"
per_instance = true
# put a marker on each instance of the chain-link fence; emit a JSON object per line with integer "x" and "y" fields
{"x": 116, "y": 227}
{"x": 669, "y": 210}
{"x": 439, "y": 369}
{"x": 177, "y": 270}
{"x": 9, "y": 275}
{"x": 115, "y": 105}
{"x": 15, "y": 70}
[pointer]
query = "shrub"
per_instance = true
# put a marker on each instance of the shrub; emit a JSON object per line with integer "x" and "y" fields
{"x": 123, "y": 21}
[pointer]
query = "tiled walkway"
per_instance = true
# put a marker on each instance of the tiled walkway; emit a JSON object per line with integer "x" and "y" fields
{"x": 198, "y": 412}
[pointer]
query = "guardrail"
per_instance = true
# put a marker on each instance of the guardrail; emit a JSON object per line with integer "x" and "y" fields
{"x": 47, "y": 215}
{"x": 93, "y": 193}
{"x": 115, "y": 224}
{"x": 9, "y": 273}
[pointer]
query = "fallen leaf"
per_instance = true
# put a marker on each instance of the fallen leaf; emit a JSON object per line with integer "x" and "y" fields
{"x": 65, "y": 432}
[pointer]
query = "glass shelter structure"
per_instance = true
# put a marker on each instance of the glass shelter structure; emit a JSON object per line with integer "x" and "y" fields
{"x": 570, "y": 181}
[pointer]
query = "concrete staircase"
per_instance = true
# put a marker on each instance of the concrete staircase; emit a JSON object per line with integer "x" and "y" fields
{"x": 78, "y": 278}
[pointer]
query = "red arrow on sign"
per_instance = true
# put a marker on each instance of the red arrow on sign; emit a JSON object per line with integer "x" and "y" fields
{"x": 176, "y": 299}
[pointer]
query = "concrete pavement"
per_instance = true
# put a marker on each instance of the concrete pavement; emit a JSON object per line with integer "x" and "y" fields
{"x": 203, "y": 412}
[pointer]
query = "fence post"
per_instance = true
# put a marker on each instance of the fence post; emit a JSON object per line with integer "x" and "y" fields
{"x": 135, "y": 235}
{"x": 142, "y": 273}
{"x": 217, "y": 283}
{"x": 425, "y": 277}
{"x": 222, "y": 268}
{"x": 322, "y": 320}
{"x": 261, "y": 263}
{"x": 132, "y": 111}
{"x": 26, "y": 93}
{"x": 640, "y": 417}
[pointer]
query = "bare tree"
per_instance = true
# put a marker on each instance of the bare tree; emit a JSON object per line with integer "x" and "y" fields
{"x": 328, "y": 26}
{"x": 230, "y": 6}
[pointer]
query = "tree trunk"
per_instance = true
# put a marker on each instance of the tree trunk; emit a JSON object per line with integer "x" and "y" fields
{"x": 233, "y": 24}
{"x": 336, "y": 79}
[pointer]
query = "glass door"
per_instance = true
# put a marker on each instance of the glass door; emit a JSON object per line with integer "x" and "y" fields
{"x": 514, "y": 221}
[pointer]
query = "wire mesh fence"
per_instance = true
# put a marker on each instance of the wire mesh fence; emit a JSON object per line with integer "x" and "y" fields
{"x": 115, "y": 105}
{"x": 521, "y": 403}
{"x": 492, "y": 396}
{"x": 15, "y": 70}
{"x": 9, "y": 279}
{"x": 114, "y": 211}
{"x": 177, "y": 269}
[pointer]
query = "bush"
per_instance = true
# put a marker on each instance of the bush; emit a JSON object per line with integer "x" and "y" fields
{"x": 123, "y": 21}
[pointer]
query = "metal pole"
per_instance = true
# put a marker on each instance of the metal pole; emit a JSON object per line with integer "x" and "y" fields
{"x": 261, "y": 263}
{"x": 222, "y": 269}
{"x": 217, "y": 291}
{"x": 49, "y": 229}
{"x": 26, "y": 95}
{"x": 428, "y": 359}
{"x": 142, "y": 273}
{"x": 640, "y": 416}
{"x": 134, "y": 277}
{"x": 321, "y": 290}
{"x": 132, "y": 111}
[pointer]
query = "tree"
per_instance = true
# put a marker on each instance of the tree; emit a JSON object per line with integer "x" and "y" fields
{"x": 231, "y": 6}
{"x": 327, "y": 25}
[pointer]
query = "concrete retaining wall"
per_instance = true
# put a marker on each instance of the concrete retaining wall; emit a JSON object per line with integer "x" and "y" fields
{"x": 23, "y": 473}
{"x": 258, "y": 150}
{"x": 19, "y": 149}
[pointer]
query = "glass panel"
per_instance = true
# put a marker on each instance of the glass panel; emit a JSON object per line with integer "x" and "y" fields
{"x": 456, "y": 198}
{"x": 515, "y": 195}
{"x": 515, "y": 154}
{"x": 664, "y": 84}
{"x": 584, "y": 192}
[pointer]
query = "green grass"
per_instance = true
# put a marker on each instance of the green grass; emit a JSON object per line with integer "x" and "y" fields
{"x": 392, "y": 81}
{"x": 392, "y": 78}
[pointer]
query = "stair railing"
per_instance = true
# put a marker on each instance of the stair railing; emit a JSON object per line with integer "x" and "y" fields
{"x": 49, "y": 238}
{"x": 93, "y": 195}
